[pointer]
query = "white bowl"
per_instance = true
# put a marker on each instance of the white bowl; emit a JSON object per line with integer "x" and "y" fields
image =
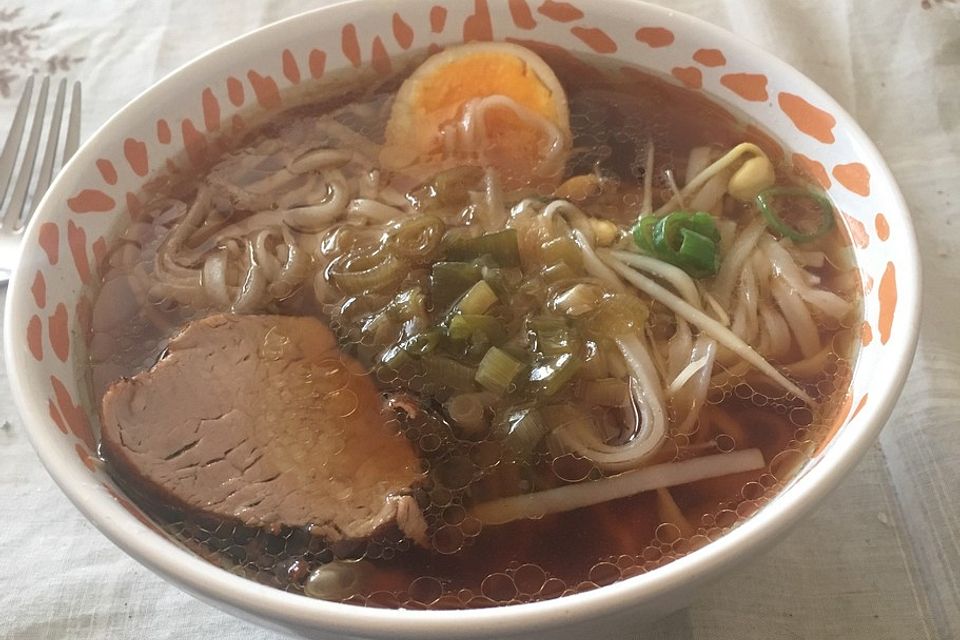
{"x": 48, "y": 304}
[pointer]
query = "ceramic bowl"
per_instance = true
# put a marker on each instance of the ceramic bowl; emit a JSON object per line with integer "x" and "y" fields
{"x": 48, "y": 310}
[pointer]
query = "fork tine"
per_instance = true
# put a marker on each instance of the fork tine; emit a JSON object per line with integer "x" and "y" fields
{"x": 73, "y": 127}
{"x": 12, "y": 145}
{"x": 50, "y": 152}
{"x": 17, "y": 200}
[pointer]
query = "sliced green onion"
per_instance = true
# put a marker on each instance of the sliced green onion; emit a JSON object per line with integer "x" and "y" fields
{"x": 558, "y": 416}
{"x": 406, "y": 306}
{"x": 358, "y": 274}
{"x": 605, "y": 392}
{"x": 398, "y": 358}
{"x": 476, "y": 328}
{"x": 643, "y": 233}
{"x": 557, "y": 272}
{"x": 498, "y": 370}
{"x": 699, "y": 252}
{"x": 501, "y": 246}
{"x": 502, "y": 281}
{"x": 448, "y": 373}
{"x": 683, "y": 239}
{"x": 449, "y": 280}
{"x": 422, "y": 343}
{"x": 552, "y": 335}
{"x": 562, "y": 250}
{"x": 478, "y": 299}
{"x": 521, "y": 430}
{"x": 418, "y": 238}
{"x": 616, "y": 315}
{"x": 448, "y": 189}
{"x": 549, "y": 375}
{"x": 468, "y": 411}
{"x": 765, "y": 202}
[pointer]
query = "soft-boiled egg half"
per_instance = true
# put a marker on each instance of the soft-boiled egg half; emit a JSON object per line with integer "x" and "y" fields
{"x": 495, "y": 105}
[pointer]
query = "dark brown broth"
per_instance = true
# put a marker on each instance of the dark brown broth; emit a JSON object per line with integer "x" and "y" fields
{"x": 558, "y": 554}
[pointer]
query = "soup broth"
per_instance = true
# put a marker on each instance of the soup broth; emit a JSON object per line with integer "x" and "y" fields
{"x": 501, "y": 351}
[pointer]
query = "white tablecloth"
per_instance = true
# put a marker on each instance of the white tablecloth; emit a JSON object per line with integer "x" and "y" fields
{"x": 879, "y": 560}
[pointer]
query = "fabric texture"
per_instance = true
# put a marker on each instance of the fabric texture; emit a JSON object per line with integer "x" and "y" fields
{"x": 879, "y": 560}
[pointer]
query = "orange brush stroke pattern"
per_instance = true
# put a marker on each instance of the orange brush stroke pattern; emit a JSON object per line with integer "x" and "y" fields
{"x": 35, "y": 338}
{"x": 73, "y": 415}
{"x": 478, "y": 26}
{"x": 749, "y": 86}
{"x": 135, "y": 151}
{"x": 710, "y": 57}
{"x": 438, "y": 18}
{"x": 854, "y": 176}
{"x": 39, "y": 290}
{"x": 59, "y": 333}
{"x": 596, "y": 39}
{"x": 866, "y": 333}
{"x": 559, "y": 11}
{"x": 91, "y": 201}
{"x": 107, "y": 171}
{"x": 318, "y": 63}
{"x": 77, "y": 241}
{"x": 265, "y": 88}
{"x": 235, "y": 92}
{"x": 655, "y": 37}
{"x": 860, "y": 405}
{"x": 291, "y": 70}
{"x": 521, "y": 15}
{"x": 691, "y": 77}
{"x": 163, "y": 132}
{"x": 211, "y": 110}
{"x": 194, "y": 141}
{"x": 49, "y": 241}
{"x": 883, "y": 227}
{"x": 350, "y": 44}
{"x": 133, "y": 204}
{"x": 402, "y": 32}
{"x": 887, "y": 291}
{"x": 858, "y": 232}
{"x": 379, "y": 58}
{"x": 811, "y": 120}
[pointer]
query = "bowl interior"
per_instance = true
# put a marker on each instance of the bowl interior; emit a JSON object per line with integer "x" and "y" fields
{"x": 177, "y": 122}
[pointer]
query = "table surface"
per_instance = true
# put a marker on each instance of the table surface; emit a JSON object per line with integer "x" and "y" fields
{"x": 880, "y": 559}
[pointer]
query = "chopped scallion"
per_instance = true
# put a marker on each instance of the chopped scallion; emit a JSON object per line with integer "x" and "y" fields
{"x": 476, "y": 328}
{"x": 549, "y": 375}
{"x": 765, "y": 202}
{"x": 684, "y": 239}
{"x": 478, "y": 299}
{"x": 449, "y": 280}
{"x": 521, "y": 430}
{"x": 498, "y": 370}
{"x": 501, "y": 246}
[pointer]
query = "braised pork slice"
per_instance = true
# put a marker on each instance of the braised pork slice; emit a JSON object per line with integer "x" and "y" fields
{"x": 260, "y": 420}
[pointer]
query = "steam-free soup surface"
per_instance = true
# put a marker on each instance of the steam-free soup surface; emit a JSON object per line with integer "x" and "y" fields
{"x": 604, "y": 316}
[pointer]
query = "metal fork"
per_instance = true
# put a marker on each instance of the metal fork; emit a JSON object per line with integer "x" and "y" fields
{"x": 23, "y": 200}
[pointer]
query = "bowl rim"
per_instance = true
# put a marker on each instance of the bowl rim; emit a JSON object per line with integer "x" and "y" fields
{"x": 237, "y": 594}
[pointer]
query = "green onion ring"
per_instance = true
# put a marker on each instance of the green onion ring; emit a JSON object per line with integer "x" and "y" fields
{"x": 775, "y": 222}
